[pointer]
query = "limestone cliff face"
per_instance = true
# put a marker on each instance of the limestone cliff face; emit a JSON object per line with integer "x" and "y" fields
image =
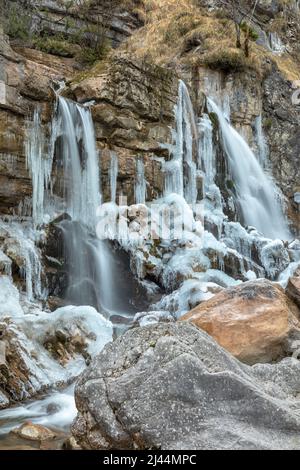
{"x": 283, "y": 119}
{"x": 69, "y": 18}
{"x": 133, "y": 115}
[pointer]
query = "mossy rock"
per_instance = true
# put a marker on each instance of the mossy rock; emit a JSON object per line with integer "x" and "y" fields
{"x": 267, "y": 124}
{"x": 230, "y": 185}
{"x": 214, "y": 120}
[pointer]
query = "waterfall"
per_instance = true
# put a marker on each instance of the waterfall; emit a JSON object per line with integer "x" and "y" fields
{"x": 180, "y": 171}
{"x": 87, "y": 257}
{"x": 257, "y": 195}
{"x": 113, "y": 176}
{"x": 80, "y": 161}
{"x": 94, "y": 269}
{"x": 140, "y": 183}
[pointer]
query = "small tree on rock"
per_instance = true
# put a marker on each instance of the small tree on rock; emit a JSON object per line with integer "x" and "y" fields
{"x": 241, "y": 13}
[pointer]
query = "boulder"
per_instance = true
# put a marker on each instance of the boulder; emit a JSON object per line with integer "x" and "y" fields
{"x": 34, "y": 432}
{"x": 171, "y": 386}
{"x": 293, "y": 289}
{"x": 253, "y": 321}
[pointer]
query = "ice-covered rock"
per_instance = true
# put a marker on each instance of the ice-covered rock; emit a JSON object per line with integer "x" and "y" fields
{"x": 191, "y": 293}
{"x": 151, "y": 317}
{"x": 50, "y": 348}
{"x": 18, "y": 243}
{"x": 275, "y": 258}
{"x": 9, "y": 299}
{"x": 5, "y": 264}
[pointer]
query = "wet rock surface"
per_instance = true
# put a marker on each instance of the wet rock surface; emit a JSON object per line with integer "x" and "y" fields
{"x": 34, "y": 432}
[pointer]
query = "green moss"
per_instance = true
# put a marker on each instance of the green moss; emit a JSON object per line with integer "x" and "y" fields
{"x": 91, "y": 54}
{"x": 55, "y": 45}
{"x": 253, "y": 35}
{"x": 230, "y": 185}
{"x": 214, "y": 120}
{"x": 267, "y": 124}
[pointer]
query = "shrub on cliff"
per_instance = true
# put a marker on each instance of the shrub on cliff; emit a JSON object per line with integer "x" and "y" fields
{"x": 56, "y": 46}
{"x": 17, "y": 23}
{"x": 229, "y": 60}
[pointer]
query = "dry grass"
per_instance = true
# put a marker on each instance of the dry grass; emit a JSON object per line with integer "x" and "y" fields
{"x": 179, "y": 32}
{"x": 288, "y": 66}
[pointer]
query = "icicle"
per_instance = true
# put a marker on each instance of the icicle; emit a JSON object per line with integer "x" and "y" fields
{"x": 181, "y": 171}
{"x": 262, "y": 146}
{"x": 140, "y": 183}
{"x": 275, "y": 43}
{"x": 206, "y": 154}
{"x": 113, "y": 173}
{"x": 39, "y": 164}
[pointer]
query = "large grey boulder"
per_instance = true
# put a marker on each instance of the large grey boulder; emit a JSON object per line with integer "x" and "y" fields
{"x": 170, "y": 386}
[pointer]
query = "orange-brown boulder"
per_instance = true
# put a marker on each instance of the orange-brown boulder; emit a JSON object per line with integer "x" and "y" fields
{"x": 253, "y": 321}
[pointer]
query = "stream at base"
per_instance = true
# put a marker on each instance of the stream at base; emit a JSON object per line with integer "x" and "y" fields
{"x": 56, "y": 411}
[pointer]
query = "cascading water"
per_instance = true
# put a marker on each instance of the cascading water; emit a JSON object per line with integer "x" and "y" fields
{"x": 79, "y": 156}
{"x": 94, "y": 270}
{"x": 89, "y": 260}
{"x": 256, "y": 193}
